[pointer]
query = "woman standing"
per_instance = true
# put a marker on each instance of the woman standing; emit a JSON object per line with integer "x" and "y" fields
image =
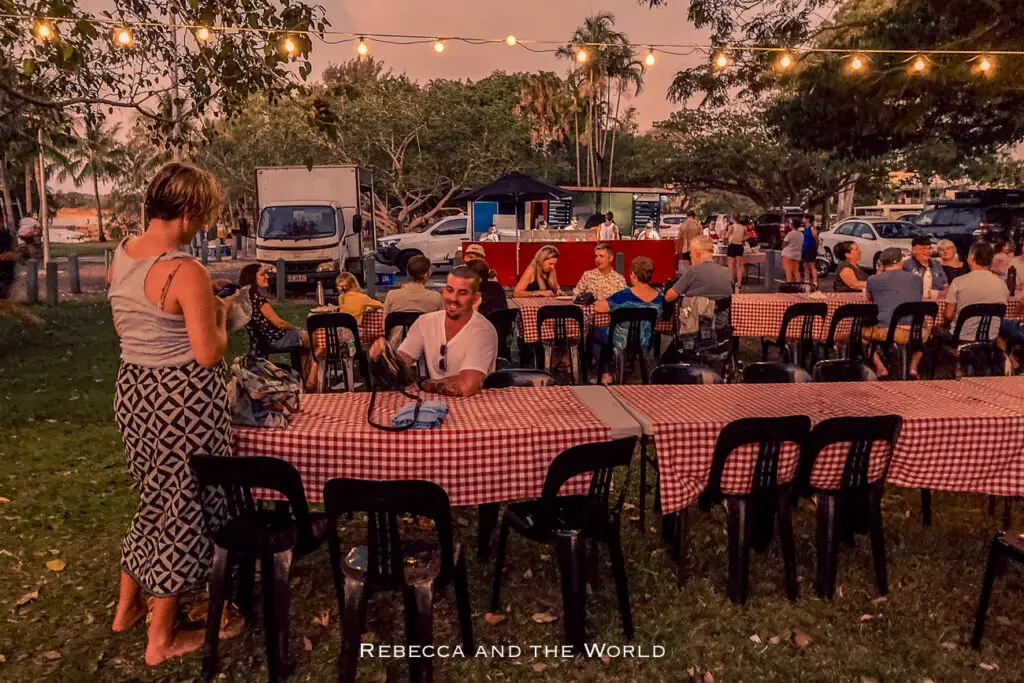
{"x": 735, "y": 239}
{"x": 809, "y": 255}
{"x": 792, "y": 246}
{"x": 170, "y": 402}
{"x": 540, "y": 278}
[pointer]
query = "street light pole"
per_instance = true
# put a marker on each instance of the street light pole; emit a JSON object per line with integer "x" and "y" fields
{"x": 42, "y": 200}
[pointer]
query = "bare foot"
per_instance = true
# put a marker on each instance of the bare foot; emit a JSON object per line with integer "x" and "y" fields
{"x": 183, "y": 643}
{"x": 606, "y": 378}
{"x": 128, "y": 614}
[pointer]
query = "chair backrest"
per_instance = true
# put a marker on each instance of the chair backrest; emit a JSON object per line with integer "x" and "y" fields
{"x": 403, "y": 319}
{"x": 633, "y": 319}
{"x": 807, "y": 313}
{"x": 917, "y": 311}
{"x": 860, "y": 316}
{"x": 775, "y": 373}
{"x": 330, "y": 323}
{"x": 794, "y": 287}
{"x": 842, "y": 371}
{"x": 601, "y": 459}
{"x": 518, "y": 377}
{"x": 985, "y": 313}
{"x": 504, "y": 321}
{"x": 769, "y": 434}
{"x": 684, "y": 373}
{"x": 981, "y": 359}
{"x": 236, "y": 477}
{"x": 560, "y": 316}
{"x": 861, "y": 433}
{"x": 384, "y": 502}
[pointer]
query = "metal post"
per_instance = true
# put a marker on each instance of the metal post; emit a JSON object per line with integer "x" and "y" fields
{"x": 108, "y": 255}
{"x": 620, "y": 263}
{"x": 203, "y": 249}
{"x": 51, "y": 283}
{"x": 42, "y": 201}
{"x": 32, "y": 281}
{"x": 236, "y": 244}
{"x": 771, "y": 263}
{"x": 76, "y": 283}
{"x": 282, "y": 279}
{"x": 217, "y": 244}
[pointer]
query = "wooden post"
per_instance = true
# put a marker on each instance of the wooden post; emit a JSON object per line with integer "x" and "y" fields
{"x": 51, "y": 283}
{"x": 203, "y": 251}
{"x": 76, "y": 283}
{"x": 771, "y": 264}
{"x": 32, "y": 281}
{"x": 282, "y": 279}
{"x": 236, "y": 244}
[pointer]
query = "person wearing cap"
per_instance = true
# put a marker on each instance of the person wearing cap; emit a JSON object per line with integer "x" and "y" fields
{"x": 924, "y": 266}
{"x": 891, "y": 286}
{"x": 602, "y": 281}
{"x": 473, "y": 251}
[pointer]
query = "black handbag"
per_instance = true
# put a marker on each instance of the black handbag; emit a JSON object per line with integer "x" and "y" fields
{"x": 389, "y": 373}
{"x": 585, "y": 299}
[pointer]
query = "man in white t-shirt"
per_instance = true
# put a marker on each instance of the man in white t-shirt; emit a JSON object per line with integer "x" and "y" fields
{"x": 459, "y": 345}
{"x": 979, "y": 286}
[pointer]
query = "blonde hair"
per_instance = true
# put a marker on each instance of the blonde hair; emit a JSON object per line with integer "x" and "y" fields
{"x": 183, "y": 191}
{"x": 945, "y": 243}
{"x": 346, "y": 282}
{"x": 542, "y": 255}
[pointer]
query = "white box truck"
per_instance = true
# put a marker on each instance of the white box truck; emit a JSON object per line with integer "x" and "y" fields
{"x": 317, "y": 219}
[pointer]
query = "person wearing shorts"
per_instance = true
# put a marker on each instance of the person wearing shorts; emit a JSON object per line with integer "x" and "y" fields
{"x": 809, "y": 254}
{"x": 735, "y": 239}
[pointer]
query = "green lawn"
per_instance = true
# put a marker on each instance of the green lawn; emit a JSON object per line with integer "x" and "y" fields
{"x": 64, "y": 494}
{"x": 82, "y": 248}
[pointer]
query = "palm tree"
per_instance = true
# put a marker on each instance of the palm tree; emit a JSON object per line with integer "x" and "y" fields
{"x": 99, "y": 156}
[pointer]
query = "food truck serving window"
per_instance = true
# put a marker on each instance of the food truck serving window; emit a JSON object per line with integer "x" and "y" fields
{"x": 297, "y": 222}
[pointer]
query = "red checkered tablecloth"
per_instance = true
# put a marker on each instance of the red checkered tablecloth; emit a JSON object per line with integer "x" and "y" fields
{"x": 528, "y": 318}
{"x": 371, "y": 327}
{"x": 1006, "y": 391}
{"x": 1015, "y": 309}
{"x": 760, "y": 315}
{"x": 493, "y": 447}
{"x": 954, "y": 436}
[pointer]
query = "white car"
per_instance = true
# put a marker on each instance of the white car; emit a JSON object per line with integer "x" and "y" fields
{"x": 872, "y": 235}
{"x": 668, "y": 227}
{"x": 437, "y": 242}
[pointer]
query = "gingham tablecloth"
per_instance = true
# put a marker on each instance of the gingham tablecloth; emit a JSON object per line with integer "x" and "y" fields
{"x": 1007, "y": 391}
{"x": 493, "y": 447}
{"x": 1015, "y": 309}
{"x": 954, "y": 436}
{"x": 528, "y": 308}
{"x": 371, "y": 327}
{"x": 760, "y": 315}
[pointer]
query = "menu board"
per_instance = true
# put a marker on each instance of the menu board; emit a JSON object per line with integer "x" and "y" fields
{"x": 559, "y": 212}
{"x": 645, "y": 211}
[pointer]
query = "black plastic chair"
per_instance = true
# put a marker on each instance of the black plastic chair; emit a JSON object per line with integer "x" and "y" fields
{"x": 250, "y": 533}
{"x": 807, "y": 315}
{"x": 985, "y": 313}
{"x": 859, "y": 317}
{"x": 858, "y": 498}
{"x": 633, "y": 319}
{"x": 775, "y": 373}
{"x": 399, "y": 319}
{"x": 335, "y": 364}
{"x": 723, "y": 352}
{"x": 917, "y": 311}
{"x": 980, "y": 359}
{"x": 842, "y": 371}
{"x": 518, "y": 377}
{"x": 754, "y": 513}
{"x": 795, "y": 287}
{"x": 263, "y": 351}
{"x": 504, "y": 321}
{"x": 568, "y": 522}
{"x": 416, "y": 568}
{"x": 561, "y": 317}
{"x": 1005, "y": 546}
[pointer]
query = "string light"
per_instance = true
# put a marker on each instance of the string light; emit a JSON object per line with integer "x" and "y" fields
{"x": 43, "y": 30}
{"x": 650, "y": 59}
{"x": 857, "y": 63}
{"x": 582, "y": 56}
{"x": 721, "y": 61}
{"x": 986, "y": 65}
{"x": 124, "y": 37}
{"x": 361, "y": 49}
{"x": 288, "y": 45}
{"x": 785, "y": 61}
{"x": 919, "y": 65}
{"x": 203, "y": 34}
{"x": 438, "y": 46}
{"x": 511, "y": 40}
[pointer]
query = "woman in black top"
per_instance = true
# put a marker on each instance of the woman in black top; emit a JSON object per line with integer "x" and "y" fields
{"x": 492, "y": 294}
{"x": 951, "y": 263}
{"x": 849, "y": 277}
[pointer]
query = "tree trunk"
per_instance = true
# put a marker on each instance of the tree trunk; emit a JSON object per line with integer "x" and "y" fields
{"x": 28, "y": 188}
{"x": 845, "y": 205}
{"x": 100, "y": 237}
{"x": 8, "y": 204}
{"x": 611, "y": 156}
{"x": 576, "y": 124}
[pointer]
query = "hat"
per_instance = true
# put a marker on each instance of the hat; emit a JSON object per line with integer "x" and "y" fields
{"x": 476, "y": 249}
{"x": 921, "y": 241}
{"x": 890, "y": 256}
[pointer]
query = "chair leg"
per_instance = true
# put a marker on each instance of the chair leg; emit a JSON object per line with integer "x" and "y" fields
{"x": 621, "y": 582}
{"x": 569, "y": 548}
{"x": 419, "y": 627}
{"x": 877, "y": 538}
{"x": 682, "y": 548}
{"x": 594, "y": 563}
{"x": 218, "y": 582}
{"x": 246, "y": 584}
{"x": 350, "y": 380}
{"x": 986, "y": 594}
{"x": 487, "y": 519}
{"x": 992, "y": 506}
{"x": 926, "y": 507}
{"x": 642, "y": 503}
{"x": 275, "y": 570}
{"x": 785, "y": 516}
{"x": 353, "y": 619}
{"x": 499, "y": 566}
{"x": 461, "y": 585}
{"x": 763, "y": 518}
{"x": 740, "y": 532}
{"x": 827, "y": 538}
{"x": 574, "y": 361}
{"x": 1008, "y": 511}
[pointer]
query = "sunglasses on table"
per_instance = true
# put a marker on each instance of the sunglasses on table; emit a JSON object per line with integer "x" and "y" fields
{"x": 443, "y": 362}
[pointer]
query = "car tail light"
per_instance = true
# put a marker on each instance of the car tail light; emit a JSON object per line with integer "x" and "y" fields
{"x": 983, "y": 228}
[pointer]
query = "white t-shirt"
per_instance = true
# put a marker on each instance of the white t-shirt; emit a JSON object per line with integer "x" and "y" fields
{"x": 976, "y": 287}
{"x": 475, "y": 347}
{"x": 608, "y": 232}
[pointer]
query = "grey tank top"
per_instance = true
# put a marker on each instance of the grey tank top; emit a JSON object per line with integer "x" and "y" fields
{"x": 149, "y": 336}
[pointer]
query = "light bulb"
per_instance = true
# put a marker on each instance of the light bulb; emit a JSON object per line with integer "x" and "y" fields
{"x": 856, "y": 64}
{"x": 43, "y": 30}
{"x": 124, "y": 37}
{"x": 288, "y": 46}
{"x": 649, "y": 59}
{"x": 362, "y": 49}
{"x": 785, "y": 61}
{"x": 511, "y": 40}
{"x": 985, "y": 65}
{"x": 721, "y": 60}
{"x": 919, "y": 64}
{"x": 438, "y": 46}
{"x": 203, "y": 34}
{"x": 582, "y": 56}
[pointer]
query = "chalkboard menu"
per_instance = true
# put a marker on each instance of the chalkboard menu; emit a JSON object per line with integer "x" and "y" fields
{"x": 559, "y": 212}
{"x": 645, "y": 211}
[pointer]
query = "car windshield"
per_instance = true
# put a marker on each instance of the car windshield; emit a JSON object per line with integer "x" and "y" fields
{"x": 297, "y": 222}
{"x": 897, "y": 230}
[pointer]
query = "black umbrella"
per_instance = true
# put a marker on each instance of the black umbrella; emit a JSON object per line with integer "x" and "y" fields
{"x": 517, "y": 186}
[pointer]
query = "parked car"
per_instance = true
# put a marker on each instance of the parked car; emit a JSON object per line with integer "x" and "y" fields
{"x": 438, "y": 242}
{"x": 669, "y": 227}
{"x": 770, "y": 226}
{"x": 987, "y": 215}
{"x": 907, "y": 217}
{"x": 873, "y": 235}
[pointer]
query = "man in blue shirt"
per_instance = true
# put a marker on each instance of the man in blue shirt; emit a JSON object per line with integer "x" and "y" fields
{"x": 924, "y": 266}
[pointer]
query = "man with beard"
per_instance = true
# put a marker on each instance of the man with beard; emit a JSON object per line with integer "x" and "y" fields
{"x": 458, "y": 345}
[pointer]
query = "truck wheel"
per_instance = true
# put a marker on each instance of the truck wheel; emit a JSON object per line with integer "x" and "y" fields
{"x": 874, "y": 261}
{"x": 402, "y": 262}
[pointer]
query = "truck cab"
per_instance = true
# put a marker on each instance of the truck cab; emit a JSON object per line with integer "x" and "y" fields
{"x": 439, "y": 242}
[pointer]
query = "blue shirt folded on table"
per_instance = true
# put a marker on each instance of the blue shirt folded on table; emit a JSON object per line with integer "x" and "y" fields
{"x": 431, "y": 415}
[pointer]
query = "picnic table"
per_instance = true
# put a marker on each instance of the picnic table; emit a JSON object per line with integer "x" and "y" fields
{"x": 956, "y": 436}
{"x": 493, "y": 447}
{"x": 528, "y": 308}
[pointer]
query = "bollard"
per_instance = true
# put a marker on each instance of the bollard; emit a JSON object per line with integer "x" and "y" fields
{"x": 282, "y": 279}
{"x": 217, "y": 245}
{"x": 771, "y": 265}
{"x": 51, "y": 283}
{"x": 32, "y": 281}
{"x": 235, "y": 245}
{"x": 620, "y": 263}
{"x": 76, "y": 282}
{"x": 204, "y": 250}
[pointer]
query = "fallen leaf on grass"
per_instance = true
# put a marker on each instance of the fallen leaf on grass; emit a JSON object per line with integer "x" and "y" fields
{"x": 605, "y": 659}
{"x": 528, "y": 574}
{"x": 1003, "y": 621}
{"x": 493, "y": 619}
{"x": 89, "y": 619}
{"x": 775, "y": 640}
{"x": 988, "y": 667}
{"x": 295, "y": 581}
{"x": 54, "y": 551}
{"x": 948, "y": 645}
{"x": 545, "y": 557}
{"x": 2, "y": 659}
{"x": 51, "y": 655}
{"x": 868, "y": 679}
{"x": 56, "y": 565}
{"x": 544, "y": 617}
{"x": 880, "y": 600}
{"x": 756, "y": 638}
{"x": 4, "y": 500}
{"x": 307, "y": 644}
{"x": 801, "y": 640}
{"x": 628, "y": 506}
{"x": 539, "y": 666}
{"x": 322, "y": 620}
{"x": 27, "y": 598}
{"x": 866, "y": 617}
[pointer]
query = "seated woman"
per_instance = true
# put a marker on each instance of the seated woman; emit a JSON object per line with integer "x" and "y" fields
{"x": 640, "y": 295}
{"x": 849, "y": 277}
{"x": 351, "y": 298}
{"x": 951, "y": 263}
{"x": 267, "y": 331}
{"x": 540, "y": 278}
{"x": 492, "y": 294}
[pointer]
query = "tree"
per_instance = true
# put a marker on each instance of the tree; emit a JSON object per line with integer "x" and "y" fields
{"x": 96, "y": 156}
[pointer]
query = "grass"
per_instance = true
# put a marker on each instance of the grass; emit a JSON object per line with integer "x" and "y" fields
{"x": 65, "y": 249}
{"x": 68, "y": 497}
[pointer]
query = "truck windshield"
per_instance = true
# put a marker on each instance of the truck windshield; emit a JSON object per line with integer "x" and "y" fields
{"x": 297, "y": 222}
